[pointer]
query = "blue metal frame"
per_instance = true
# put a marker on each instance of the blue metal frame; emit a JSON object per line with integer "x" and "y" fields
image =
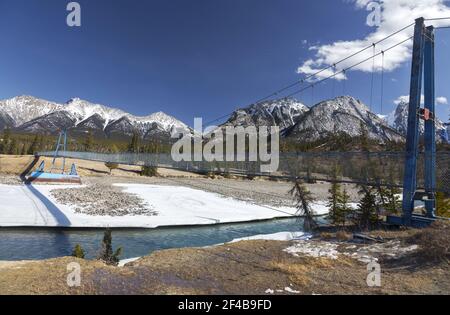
{"x": 430, "y": 127}
{"x": 412, "y": 138}
{"x": 422, "y": 68}
{"x": 62, "y": 137}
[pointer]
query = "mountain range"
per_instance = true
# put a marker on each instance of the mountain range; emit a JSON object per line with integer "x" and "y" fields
{"x": 344, "y": 114}
{"x": 33, "y": 115}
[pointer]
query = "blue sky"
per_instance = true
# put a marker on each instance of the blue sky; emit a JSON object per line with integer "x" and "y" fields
{"x": 201, "y": 58}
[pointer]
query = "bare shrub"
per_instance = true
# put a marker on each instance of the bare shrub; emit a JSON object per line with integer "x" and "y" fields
{"x": 343, "y": 236}
{"x": 434, "y": 242}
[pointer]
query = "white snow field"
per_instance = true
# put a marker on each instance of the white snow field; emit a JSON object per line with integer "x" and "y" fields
{"x": 30, "y": 205}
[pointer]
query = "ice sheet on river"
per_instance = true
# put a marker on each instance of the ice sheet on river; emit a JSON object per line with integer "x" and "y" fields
{"x": 29, "y": 205}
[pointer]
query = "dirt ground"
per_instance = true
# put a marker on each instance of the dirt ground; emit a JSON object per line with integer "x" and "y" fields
{"x": 260, "y": 191}
{"x": 16, "y": 164}
{"x": 247, "y": 267}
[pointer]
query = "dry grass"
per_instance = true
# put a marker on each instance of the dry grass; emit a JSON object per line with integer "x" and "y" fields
{"x": 343, "y": 236}
{"x": 434, "y": 242}
{"x": 16, "y": 164}
{"x": 339, "y": 236}
{"x": 248, "y": 267}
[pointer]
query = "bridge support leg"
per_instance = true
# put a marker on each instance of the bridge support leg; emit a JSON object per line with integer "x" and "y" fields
{"x": 430, "y": 127}
{"x": 412, "y": 138}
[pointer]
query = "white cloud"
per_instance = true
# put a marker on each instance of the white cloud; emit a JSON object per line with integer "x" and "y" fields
{"x": 441, "y": 100}
{"x": 396, "y": 15}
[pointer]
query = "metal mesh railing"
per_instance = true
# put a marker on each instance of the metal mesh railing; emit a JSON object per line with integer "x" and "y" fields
{"x": 372, "y": 168}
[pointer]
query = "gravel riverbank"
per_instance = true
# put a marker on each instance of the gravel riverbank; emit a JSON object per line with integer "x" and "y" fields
{"x": 100, "y": 200}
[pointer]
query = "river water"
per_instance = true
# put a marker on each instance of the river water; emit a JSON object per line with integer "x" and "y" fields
{"x": 43, "y": 243}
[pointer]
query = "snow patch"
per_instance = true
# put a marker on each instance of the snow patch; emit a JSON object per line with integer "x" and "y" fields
{"x": 314, "y": 249}
{"x": 281, "y": 236}
{"x": 123, "y": 262}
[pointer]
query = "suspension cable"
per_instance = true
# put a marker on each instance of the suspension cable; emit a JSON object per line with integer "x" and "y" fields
{"x": 350, "y": 67}
{"x": 319, "y": 72}
{"x": 438, "y": 19}
{"x": 382, "y": 80}
{"x": 344, "y": 83}
{"x": 372, "y": 78}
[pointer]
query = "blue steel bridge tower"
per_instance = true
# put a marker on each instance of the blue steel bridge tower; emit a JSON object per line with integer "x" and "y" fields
{"x": 422, "y": 69}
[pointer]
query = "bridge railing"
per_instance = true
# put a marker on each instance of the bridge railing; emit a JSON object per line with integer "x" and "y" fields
{"x": 371, "y": 168}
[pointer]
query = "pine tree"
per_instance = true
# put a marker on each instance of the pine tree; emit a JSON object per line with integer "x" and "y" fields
{"x": 5, "y": 140}
{"x": 363, "y": 137}
{"x": 24, "y": 149}
{"x": 390, "y": 200}
{"x": 114, "y": 149}
{"x": 89, "y": 141}
{"x": 107, "y": 255}
{"x": 78, "y": 252}
{"x": 34, "y": 145}
{"x": 344, "y": 208}
{"x": 134, "y": 144}
{"x": 333, "y": 203}
{"x": 303, "y": 198}
{"x": 333, "y": 199}
{"x": 365, "y": 216}
{"x": 12, "y": 148}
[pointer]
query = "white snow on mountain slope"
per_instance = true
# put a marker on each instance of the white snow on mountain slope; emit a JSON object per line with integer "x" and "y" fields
{"x": 24, "y": 108}
{"x": 166, "y": 121}
{"x": 281, "y": 112}
{"x": 83, "y": 110}
{"x": 343, "y": 114}
{"x": 398, "y": 119}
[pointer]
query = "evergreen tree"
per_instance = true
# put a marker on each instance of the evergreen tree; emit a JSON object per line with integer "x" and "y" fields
{"x": 344, "y": 208}
{"x": 114, "y": 149}
{"x": 41, "y": 143}
{"x": 89, "y": 141}
{"x": 134, "y": 144}
{"x": 12, "y": 148}
{"x": 5, "y": 141}
{"x": 365, "y": 216}
{"x": 78, "y": 252}
{"x": 390, "y": 200}
{"x": 34, "y": 145}
{"x": 107, "y": 255}
{"x": 334, "y": 214}
{"x": 363, "y": 137}
{"x": 24, "y": 149}
{"x": 303, "y": 198}
{"x": 333, "y": 199}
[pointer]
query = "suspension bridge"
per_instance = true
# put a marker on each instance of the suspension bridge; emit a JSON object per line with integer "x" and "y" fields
{"x": 419, "y": 174}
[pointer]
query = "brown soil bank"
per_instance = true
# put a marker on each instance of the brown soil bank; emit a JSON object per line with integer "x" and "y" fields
{"x": 248, "y": 267}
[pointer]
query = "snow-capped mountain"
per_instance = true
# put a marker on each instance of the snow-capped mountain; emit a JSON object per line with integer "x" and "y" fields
{"x": 30, "y": 114}
{"x": 398, "y": 120}
{"x": 22, "y": 109}
{"x": 343, "y": 114}
{"x": 83, "y": 110}
{"x": 283, "y": 113}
